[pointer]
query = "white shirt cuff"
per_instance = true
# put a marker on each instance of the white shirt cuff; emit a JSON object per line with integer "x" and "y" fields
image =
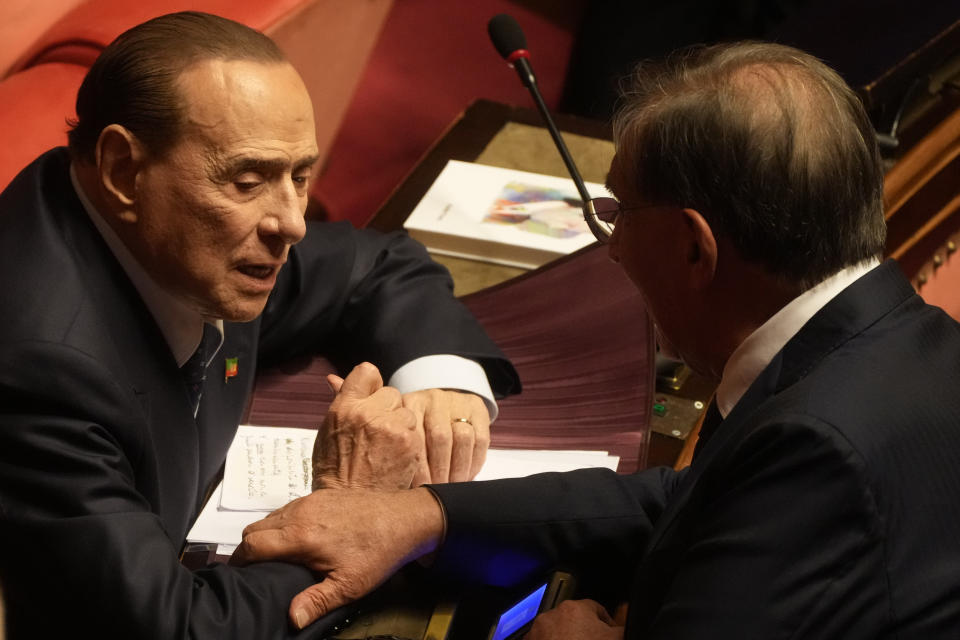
{"x": 445, "y": 372}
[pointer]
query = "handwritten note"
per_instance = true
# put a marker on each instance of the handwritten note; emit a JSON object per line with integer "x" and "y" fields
{"x": 267, "y": 467}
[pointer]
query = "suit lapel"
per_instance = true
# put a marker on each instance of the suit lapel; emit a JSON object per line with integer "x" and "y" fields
{"x": 123, "y": 333}
{"x": 761, "y": 389}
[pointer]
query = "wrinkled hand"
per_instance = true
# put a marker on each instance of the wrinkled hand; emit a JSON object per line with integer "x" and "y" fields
{"x": 368, "y": 439}
{"x": 575, "y": 620}
{"x": 324, "y": 532}
{"x": 455, "y": 449}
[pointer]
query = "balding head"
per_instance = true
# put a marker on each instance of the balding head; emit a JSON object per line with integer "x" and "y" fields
{"x": 769, "y": 145}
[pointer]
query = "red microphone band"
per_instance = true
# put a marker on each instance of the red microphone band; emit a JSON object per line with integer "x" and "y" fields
{"x": 516, "y": 55}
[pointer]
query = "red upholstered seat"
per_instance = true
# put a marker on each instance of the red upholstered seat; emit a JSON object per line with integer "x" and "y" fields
{"x": 433, "y": 59}
{"x": 81, "y": 34}
{"x": 34, "y": 107}
{"x": 22, "y": 22}
{"x": 328, "y": 41}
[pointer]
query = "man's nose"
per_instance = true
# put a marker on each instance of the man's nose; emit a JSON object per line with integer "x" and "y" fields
{"x": 285, "y": 216}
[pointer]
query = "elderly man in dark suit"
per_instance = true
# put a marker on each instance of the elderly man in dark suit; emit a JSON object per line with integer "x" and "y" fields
{"x": 145, "y": 274}
{"x": 821, "y": 501}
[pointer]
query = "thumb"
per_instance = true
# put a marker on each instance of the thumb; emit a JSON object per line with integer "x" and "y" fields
{"x": 315, "y": 602}
{"x": 361, "y": 383}
{"x": 334, "y": 382}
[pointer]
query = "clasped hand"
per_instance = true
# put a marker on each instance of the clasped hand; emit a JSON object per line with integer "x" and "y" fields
{"x": 368, "y": 438}
{"x": 374, "y": 437}
{"x": 373, "y": 442}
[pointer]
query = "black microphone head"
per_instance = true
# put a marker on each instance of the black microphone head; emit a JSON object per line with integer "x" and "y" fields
{"x": 506, "y": 34}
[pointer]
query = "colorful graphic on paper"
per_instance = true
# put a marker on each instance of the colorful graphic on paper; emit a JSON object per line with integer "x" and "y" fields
{"x": 546, "y": 211}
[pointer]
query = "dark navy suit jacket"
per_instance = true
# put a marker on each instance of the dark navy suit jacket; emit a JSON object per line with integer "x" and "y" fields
{"x": 102, "y": 464}
{"x": 826, "y": 505}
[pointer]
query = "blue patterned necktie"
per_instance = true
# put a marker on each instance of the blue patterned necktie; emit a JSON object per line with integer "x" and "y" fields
{"x": 194, "y": 370}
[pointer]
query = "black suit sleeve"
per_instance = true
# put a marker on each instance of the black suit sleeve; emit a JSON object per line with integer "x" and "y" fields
{"x": 593, "y": 522}
{"x": 84, "y": 553}
{"x": 760, "y": 546}
{"x": 359, "y": 295}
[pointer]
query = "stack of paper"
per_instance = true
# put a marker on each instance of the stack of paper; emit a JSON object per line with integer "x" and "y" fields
{"x": 268, "y": 467}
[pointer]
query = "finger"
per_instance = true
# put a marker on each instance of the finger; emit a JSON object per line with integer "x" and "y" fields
{"x": 363, "y": 381}
{"x": 481, "y": 441}
{"x": 314, "y": 602}
{"x": 271, "y": 521}
{"x": 384, "y": 399}
{"x": 422, "y": 475}
{"x": 335, "y": 382}
{"x": 461, "y": 455}
{"x": 479, "y": 458}
{"x": 438, "y": 437}
{"x": 257, "y": 546}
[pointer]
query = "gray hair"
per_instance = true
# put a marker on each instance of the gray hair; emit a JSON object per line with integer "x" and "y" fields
{"x": 769, "y": 144}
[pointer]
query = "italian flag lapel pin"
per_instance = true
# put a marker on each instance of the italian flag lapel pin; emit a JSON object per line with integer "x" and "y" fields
{"x": 230, "y": 368}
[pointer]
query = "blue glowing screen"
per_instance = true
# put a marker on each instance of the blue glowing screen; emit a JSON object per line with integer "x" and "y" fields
{"x": 519, "y": 614}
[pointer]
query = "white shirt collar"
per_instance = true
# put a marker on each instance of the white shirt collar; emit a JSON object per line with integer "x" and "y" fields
{"x": 756, "y": 352}
{"x": 182, "y": 327}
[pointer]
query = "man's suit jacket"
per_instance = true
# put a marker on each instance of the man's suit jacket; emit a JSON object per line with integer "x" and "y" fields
{"x": 102, "y": 464}
{"x": 824, "y": 506}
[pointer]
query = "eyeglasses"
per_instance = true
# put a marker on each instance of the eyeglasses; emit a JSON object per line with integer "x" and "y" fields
{"x": 601, "y": 215}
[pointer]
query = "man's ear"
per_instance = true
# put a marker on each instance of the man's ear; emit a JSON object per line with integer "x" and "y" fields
{"x": 119, "y": 157}
{"x": 702, "y": 254}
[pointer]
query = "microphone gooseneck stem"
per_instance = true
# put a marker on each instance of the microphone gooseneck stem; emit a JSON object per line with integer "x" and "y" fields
{"x": 522, "y": 66}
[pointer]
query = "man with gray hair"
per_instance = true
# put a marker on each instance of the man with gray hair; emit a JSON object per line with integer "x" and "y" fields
{"x": 821, "y": 500}
{"x": 145, "y": 274}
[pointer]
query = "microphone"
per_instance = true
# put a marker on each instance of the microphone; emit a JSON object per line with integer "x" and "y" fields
{"x": 508, "y": 39}
{"x": 511, "y": 44}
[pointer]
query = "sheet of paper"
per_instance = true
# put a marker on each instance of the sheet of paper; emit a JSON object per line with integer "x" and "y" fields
{"x": 269, "y": 466}
{"x": 516, "y": 463}
{"x": 217, "y": 525}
